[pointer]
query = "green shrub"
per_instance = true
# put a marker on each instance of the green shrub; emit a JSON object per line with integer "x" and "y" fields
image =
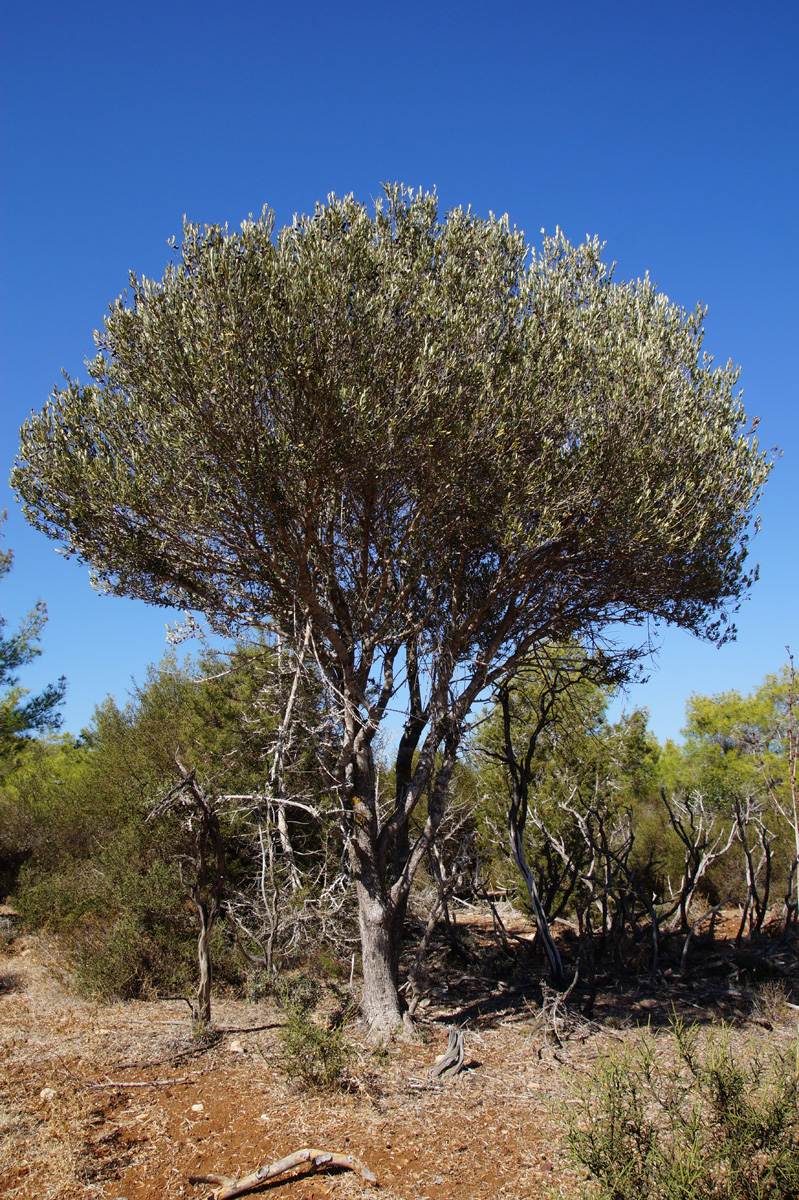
{"x": 258, "y": 984}
{"x": 314, "y": 1055}
{"x": 695, "y": 1124}
{"x": 124, "y": 921}
{"x": 120, "y": 958}
{"x": 313, "y": 1052}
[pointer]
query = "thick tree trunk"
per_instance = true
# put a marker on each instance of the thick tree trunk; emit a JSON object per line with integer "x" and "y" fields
{"x": 382, "y": 905}
{"x": 383, "y": 861}
{"x": 382, "y": 1007}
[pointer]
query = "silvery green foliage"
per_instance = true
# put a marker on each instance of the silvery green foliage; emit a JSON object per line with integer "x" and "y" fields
{"x": 406, "y": 426}
{"x": 413, "y": 444}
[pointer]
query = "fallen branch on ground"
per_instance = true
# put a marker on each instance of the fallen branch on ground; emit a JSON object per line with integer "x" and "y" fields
{"x": 227, "y": 1187}
{"x": 247, "y": 1028}
{"x": 135, "y": 1083}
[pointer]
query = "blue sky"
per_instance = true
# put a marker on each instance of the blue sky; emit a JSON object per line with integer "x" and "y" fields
{"x": 670, "y": 130}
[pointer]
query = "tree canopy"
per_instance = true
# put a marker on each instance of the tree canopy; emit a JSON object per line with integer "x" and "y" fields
{"x": 412, "y": 441}
{"x": 397, "y": 420}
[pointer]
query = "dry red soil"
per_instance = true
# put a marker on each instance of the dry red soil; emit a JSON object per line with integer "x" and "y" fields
{"x": 117, "y": 1101}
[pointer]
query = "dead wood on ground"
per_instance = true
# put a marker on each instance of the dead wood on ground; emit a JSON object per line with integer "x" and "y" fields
{"x": 451, "y": 1062}
{"x": 227, "y": 1187}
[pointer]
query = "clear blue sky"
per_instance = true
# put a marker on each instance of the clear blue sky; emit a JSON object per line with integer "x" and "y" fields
{"x": 670, "y": 130}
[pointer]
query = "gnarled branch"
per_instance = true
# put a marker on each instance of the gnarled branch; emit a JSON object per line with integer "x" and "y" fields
{"x": 227, "y": 1187}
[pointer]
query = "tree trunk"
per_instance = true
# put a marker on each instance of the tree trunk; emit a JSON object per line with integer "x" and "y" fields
{"x": 207, "y": 887}
{"x": 373, "y": 847}
{"x": 382, "y": 1007}
{"x": 556, "y": 971}
{"x": 202, "y": 1013}
{"x": 382, "y": 908}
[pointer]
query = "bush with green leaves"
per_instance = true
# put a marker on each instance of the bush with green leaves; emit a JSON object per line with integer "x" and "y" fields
{"x": 298, "y": 992}
{"x": 313, "y": 1052}
{"x": 123, "y": 918}
{"x": 690, "y": 1120}
{"x": 82, "y": 859}
{"x": 77, "y": 850}
{"x": 314, "y": 1055}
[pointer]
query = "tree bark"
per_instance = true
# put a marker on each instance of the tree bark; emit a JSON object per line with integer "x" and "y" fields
{"x": 556, "y": 971}
{"x": 203, "y": 1009}
{"x": 382, "y": 1007}
{"x": 382, "y": 903}
{"x": 520, "y": 775}
{"x": 207, "y": 887}
{"x": 383, "y": 860}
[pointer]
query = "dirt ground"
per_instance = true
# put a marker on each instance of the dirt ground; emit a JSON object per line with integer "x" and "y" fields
{"x": 117, "y": 1101}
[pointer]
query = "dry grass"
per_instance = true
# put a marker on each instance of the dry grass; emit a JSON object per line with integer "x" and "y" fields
{"x": 491, "y": 1132}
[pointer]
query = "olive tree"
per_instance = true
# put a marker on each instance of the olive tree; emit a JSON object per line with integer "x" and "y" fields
{"x": 427, "y": 445}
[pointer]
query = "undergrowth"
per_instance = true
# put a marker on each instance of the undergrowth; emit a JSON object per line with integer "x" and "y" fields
{"x": 313, "y": 1051}
{"x": 689, "y": 1121}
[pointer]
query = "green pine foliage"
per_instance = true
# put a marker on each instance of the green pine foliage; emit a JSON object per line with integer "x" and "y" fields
{"x": 20, "y": 713}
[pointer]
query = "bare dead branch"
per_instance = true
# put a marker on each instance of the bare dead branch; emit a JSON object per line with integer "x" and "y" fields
{"x": 139, "y": 1083}
{"x": 227, "y": 1187}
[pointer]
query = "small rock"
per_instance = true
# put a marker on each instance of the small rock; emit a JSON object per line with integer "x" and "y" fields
{"x": 47, "y": 1094}
{"x": 198, "y": 1108}
{"x": 237, "y": 1048}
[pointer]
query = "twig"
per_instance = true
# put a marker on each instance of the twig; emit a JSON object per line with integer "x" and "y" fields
{"x": 124, "y": 1083}
{"x": 247, "y": 1028}
{"x": 151, "y": 1023}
